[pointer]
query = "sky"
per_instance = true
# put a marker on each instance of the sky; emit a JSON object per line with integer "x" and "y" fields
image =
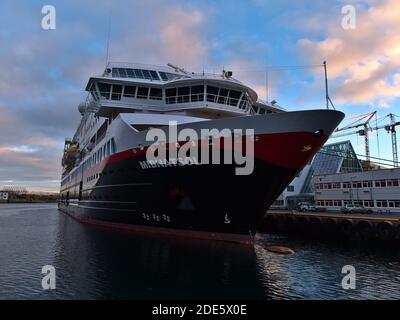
{"x": 44, "y": 72}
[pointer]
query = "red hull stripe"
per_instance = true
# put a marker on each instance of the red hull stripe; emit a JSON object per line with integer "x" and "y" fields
{"x": 290, "y": 150}
{"x": 228, "y": 237}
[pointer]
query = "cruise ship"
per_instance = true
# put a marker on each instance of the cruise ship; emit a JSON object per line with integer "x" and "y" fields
{"x": 110, "y": 179}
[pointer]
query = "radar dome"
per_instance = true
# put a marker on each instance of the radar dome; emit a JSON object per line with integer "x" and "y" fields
{"x": 82, "y": 108}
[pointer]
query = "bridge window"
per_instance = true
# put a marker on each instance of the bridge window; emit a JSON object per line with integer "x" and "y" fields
{"x": 122, "y": 72}
{"x": 156, "y": 94}
{"x": 104, "y": 89}
{"x": 142, "y": 93}
{"x": 170, "y": 95}
{"x": 183, "y": 94}
{"x": 234, "y": 97}
{"x": 116, "y": 92}
{"x": 163, "y": 76}
{"x": 130, "y": 73}
{"x": 243, "y": 103}
{"x": 197, "y": 93}
{"x": 223, "y": 94}
{"x": 129, "y": 91}
{"x": 139, "y": 74}
{"x": 154, "y": 75}
{"x": 212, "y": 93}
{"x": 146, "y": 74}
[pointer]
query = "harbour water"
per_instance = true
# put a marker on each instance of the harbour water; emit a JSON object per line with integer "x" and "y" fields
{"x": 93, "y": 263}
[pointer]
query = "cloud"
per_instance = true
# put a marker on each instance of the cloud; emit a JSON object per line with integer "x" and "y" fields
{"x": 363, "y": 63}
{"x": 44, "y": 72}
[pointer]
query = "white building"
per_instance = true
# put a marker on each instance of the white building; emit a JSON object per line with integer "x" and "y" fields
{"x": 375, "y": 189}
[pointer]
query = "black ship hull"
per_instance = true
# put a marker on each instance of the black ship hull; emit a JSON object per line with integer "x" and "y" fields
{"x": 202, "y": 201}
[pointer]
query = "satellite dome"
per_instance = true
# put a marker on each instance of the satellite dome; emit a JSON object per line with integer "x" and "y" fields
{"x": 82, "y": 108}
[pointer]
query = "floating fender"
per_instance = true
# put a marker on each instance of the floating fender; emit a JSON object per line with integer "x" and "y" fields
{"x": 330, "y": 225}
{"x": 289, "y": 223}
{"x": 398, "y": 231}
{"x": 346, "y": 226}
{"x": 269, "y": 222}
{"x": 301, "y": 223}
{"x": 315, "y": 225}
{"x": 364, "y": 229}
{"x": 385, "y": 230}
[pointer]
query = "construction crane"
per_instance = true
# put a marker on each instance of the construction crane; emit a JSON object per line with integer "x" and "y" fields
{"x": 390, "y": 128}
{"x": 363, "y": 132}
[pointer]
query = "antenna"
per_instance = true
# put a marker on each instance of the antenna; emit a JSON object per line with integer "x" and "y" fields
{"x": 108, "y": 39}
{"x": 266, "y": 79}
{"x": 328, "y": 100}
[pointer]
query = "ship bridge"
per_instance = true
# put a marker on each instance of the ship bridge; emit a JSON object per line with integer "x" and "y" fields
{"x": 125, "y": 87}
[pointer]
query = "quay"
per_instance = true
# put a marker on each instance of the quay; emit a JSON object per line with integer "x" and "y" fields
{"x": 333, "y": 226}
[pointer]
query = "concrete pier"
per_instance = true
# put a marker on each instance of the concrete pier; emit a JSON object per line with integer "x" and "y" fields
{"x": 335, "y": 226}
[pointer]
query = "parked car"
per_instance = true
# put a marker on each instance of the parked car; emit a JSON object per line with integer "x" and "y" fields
{"x": 355, "y": 208}
{"x": 306, "y": 206}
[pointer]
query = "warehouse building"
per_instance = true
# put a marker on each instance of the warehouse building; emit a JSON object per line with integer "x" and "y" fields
{"x": 378, "y": 190}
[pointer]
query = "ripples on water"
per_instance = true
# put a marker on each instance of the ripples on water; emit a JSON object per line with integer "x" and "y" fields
{"x": 95, "y": 263}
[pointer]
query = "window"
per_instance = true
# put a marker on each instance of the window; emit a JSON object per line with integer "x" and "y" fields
{"x": 130, "y": 73}
{"x": 163, "y": 76}
{"x": 115, "y": 72}
{"x": 391, "y": 203}
{"x": 183, "y": 94}
{"x": 290, "y": 188}
{"x": 122, "y": 72}
{"x": 104, "y": 89}
{"x": 234, "y": 97}
{"x": 154, "y": 75}
{"x": 368, "y": 203}
{"x": 380, "y": 183}
{"x": 392, "y": 183}
{"x": 113, "y": 147}
{"x": 129, "y": 91}
{"x": 337, "y": 203}
{"x": 142, "y": 93}
{"x": 146, "y": 74}
{"x": 116, "y": 92}
{"x": 223, "y": 96}
{"x": 212, "y": 93}
{"x": 155, "y": 93}
{"x": 243, "y": 103}
{"x": 328, "y": 203}
{"x": 170, "y": 95}
{"x": 346, "y": 185}
{"x": 138, "y": 73}
{"x": 108, "y": 148}
{"x": 197, "y": 93}
{"x": 381, "y": 203}
{"x": 367, "y": 184}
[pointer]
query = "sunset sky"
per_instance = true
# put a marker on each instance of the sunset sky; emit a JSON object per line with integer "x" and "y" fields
{"x": 44, "y": 72}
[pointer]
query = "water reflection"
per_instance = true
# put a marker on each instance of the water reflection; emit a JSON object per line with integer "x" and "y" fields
{"x": 93, "y": 263}
{"x": 98, "y": 263}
